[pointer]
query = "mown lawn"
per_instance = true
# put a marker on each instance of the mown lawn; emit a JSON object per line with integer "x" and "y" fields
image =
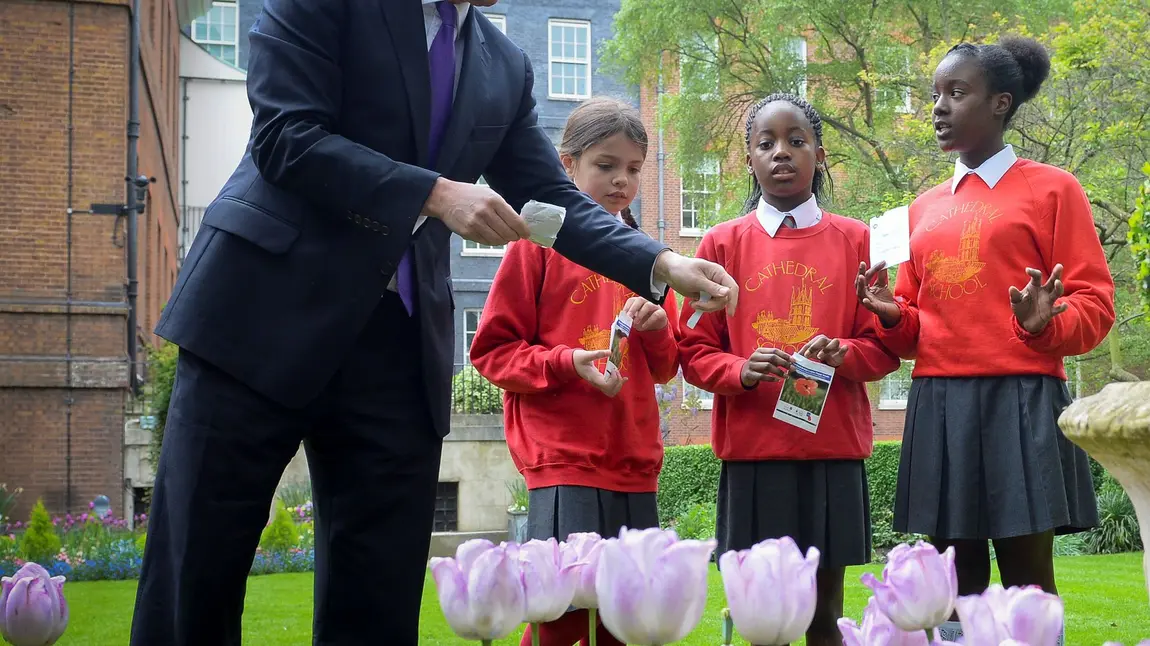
{"x": 1105, "y": 598}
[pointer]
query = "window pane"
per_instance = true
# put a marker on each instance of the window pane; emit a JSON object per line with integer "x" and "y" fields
{"x": 556, "y": 80}
{"x": 581, "y": 87}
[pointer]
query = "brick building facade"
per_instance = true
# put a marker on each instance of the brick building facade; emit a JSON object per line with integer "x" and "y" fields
{"x": 64, "y": 373}
{"x": 689, "y": 201}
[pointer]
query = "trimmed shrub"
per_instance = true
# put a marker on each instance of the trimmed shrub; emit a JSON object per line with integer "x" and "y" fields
{"x": 281, "y": 535}
{"x": 40, "y": 543}
{"x": 690, "y": 477}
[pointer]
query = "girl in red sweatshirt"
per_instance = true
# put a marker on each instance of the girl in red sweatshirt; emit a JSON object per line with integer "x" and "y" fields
{"x": 796, "y": 265}
{"x": 1006, "y": 278}
{"x": 589, "y": 447}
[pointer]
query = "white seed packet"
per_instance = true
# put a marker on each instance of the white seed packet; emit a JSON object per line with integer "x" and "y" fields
{"x": 890, "y": 237}
{"x": 804, "y": 393}
{"x": 543, "y": 221}
{"x": 696, "y": 315}
{"x": 620, "y": 330}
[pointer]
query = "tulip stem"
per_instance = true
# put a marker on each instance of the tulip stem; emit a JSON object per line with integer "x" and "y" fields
{"x": 728, "y": 627}
{"x": 592, "y": 624}
{"x": 534, "y": 633}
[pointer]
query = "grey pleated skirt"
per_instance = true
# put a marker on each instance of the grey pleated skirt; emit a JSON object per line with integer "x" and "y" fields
{"x": 820, "y": 503}
{"x": 983, "y": 458}
{"x": 558, "y": 512}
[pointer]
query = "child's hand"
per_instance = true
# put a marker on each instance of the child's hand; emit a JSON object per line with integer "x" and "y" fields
{"x": 585, "y": 368}
{"x": 1034, "y": 306}
{"x": 765, "y": 364}
{"x": 645, "y": 315}
{"x": 828, "y": 351}
{"x": 875, "y": 295}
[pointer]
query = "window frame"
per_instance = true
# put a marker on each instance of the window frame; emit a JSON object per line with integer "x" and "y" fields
{"x": 207, "y": 44}
{"x": 552, "y": 59}
{"x": 885, "y": 403}
{"x": 706, "y": 399}
{"x": 469, "y": 335}
{"x": 704, "y": 170}
{"x": 499, "y": 20}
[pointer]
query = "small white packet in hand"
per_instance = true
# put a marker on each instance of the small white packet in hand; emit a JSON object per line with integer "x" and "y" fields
{"x": 696, "y": 315}
{"x": 543, "y": 221}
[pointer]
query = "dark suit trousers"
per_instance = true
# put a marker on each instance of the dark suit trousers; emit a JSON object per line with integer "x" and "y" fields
{"x": 374, "y": 460}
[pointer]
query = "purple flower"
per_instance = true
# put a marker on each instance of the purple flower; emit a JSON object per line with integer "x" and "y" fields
{"x": 480, "y": 590}
{"x": 33, "y": 611}
{"x": 652, "y": 587}
{"x": 771, "y": 590}
{"x": 1027, "y": 615}
{"x": 582, "y": 551}
{"x": 918, "y": 586}
{"x": 878, "y": 630}
{"x": 548, "y": 583}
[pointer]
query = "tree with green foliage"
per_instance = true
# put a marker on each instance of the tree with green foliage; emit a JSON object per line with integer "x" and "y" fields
{"x": 161, "y": 379}
{"x": 867, "y": 72}
{"x": 40, "y": 543}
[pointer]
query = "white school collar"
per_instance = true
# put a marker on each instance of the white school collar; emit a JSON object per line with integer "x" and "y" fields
{"x": 991, "y": 170}
{"x": 806, "y": 215}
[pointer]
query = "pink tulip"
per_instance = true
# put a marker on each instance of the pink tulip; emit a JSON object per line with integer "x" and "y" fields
{"x": 582, "y": 551}
{"x": 918, "y": 586}
{"x": 481, "y": 589}
{"x": 771, "y": 590}
{"x": 547, "y": 582}
{"x": 878, "y": 630}
{"x": 652, "y": 587}
{"x": 33, "y": 611}
{"x": 1028, "y": 615}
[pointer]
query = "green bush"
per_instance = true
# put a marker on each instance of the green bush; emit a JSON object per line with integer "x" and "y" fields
{"x": 161, "y": 377}
{"x": 472, "y": 394}
{"x": 698, "y": 523}
{"x": 40, "y": 543}
{"x": 1117, "y": 529}
{"x": 690, "y": 477}
{"x": 281, "y": 535}
{"x": 9, "y": 549}
{"x": 141, "y": 542}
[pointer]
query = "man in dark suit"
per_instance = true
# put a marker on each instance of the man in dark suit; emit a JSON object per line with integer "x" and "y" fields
{"x": 315, "y": 305}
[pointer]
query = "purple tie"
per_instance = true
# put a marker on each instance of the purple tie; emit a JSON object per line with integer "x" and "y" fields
{"x": 441, "y": 61}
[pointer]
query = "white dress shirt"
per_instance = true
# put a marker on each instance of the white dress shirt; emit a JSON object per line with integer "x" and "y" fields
{"x": 991, "y": 170}
{"x": 805, "y": 215}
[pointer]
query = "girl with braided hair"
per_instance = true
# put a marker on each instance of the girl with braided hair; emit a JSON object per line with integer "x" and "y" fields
{"x": 796, "y": 265}
{"x": 543, "y": 339}
{"x": 1006, "y": 278}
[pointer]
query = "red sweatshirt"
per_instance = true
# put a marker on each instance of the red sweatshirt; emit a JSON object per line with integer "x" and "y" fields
{"x": 560, "y": 429}
{"x": 969, "y": 247}
{"x": 792, "y": 288}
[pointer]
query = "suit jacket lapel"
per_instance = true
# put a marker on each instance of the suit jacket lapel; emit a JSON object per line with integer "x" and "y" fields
{"x": 402, "y": 18}
{"x": 468, "y": 94}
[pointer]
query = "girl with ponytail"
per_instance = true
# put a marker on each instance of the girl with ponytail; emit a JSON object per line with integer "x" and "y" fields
{"x": 1006, "y": 278}
{"x": 589, "y": 447}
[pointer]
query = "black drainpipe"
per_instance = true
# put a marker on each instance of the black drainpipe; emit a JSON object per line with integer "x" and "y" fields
{"x": 69, "y": 400}
{"x": 136, "y": 185}
{"x": 183, "y": 171}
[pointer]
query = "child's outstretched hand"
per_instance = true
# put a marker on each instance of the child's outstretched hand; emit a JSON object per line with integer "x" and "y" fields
{"x": 874, "y": 293}
{"x": 825, "y": 350}
{"x": 585, "y": 368}
{"x": 1035, "y": 305}
{"x": 765, "y": 364}
{"x": 645, "y": 315}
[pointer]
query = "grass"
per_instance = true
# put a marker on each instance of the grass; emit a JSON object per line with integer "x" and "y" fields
{"x": 1105, "y": 598}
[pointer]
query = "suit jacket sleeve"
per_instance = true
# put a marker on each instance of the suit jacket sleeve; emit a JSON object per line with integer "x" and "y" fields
{"x": 295, "y": 90}
{"x": 526, "y": 168}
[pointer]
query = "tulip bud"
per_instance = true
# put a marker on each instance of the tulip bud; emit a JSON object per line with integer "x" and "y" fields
{"x": 481, "y": 590}
{"x": 1027, "y": 615}
{"x": 33, "y": 611}
{"x": 547, "y": 582}
{"x": 878, "y": 630}
{"x": 582, "y": 552}
{"x": 918, "y": 587}
{"x": 652, "y": 587}
{"x": 771, "y": 590}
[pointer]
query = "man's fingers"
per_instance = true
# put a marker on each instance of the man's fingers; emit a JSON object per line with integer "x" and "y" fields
{"x": 482, "y": 233}
{"x": 514, "y": 222}
{"x": 1055, "y": 276}
{"x": 1015, "y": 295}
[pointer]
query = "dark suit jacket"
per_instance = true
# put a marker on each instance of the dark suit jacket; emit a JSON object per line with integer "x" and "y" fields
{"x": 299, "y": 246}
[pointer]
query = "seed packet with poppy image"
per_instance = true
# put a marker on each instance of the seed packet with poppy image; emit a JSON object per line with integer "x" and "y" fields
{"x": 804, "y": 393}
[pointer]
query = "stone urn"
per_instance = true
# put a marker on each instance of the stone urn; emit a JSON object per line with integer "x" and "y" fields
{"x": 1114, "y": 428}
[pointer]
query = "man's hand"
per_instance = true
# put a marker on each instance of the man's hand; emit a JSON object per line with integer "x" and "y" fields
{"x": 824, "y": 350}
{"x": 645, "y": 315}
{"x": 765, "y": 364}
{"x": 1036, "y": 305}
{"x": 475, "y": 212}
{"x": 692, "y": 276}
{"x": 585, "y": 368}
